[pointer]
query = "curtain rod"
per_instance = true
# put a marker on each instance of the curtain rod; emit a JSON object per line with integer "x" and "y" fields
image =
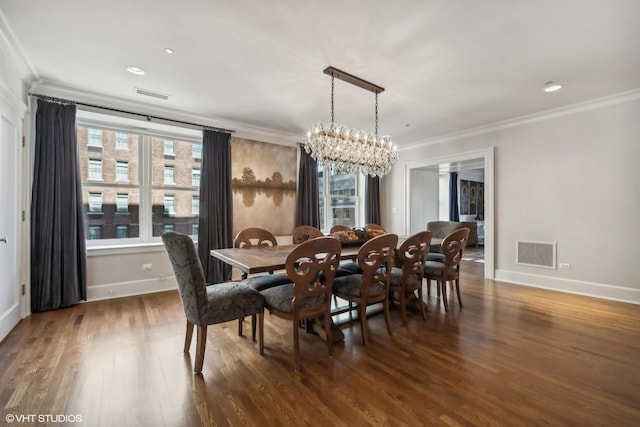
{"x": 146, "y": 116}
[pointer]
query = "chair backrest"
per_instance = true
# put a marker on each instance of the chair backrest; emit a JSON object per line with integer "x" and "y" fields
{"x": 452, "y": 247}
{"x": 250, "y": 237}
{"x": 441, "y": 229}
{"x": 375, "y": 259}
{"x": 340, "y": 228}
{"x": 412, "y": 254}
{"x": 374, "y": 230}
{"x": 304, "y": 233}
{"x": 312, "y": 267}
{"x": 186, "y": 265}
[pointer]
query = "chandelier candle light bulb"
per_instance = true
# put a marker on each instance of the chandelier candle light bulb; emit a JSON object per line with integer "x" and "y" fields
{"x": 343, "y": 149}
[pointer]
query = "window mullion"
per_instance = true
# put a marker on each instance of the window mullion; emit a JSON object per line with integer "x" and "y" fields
{"x": 146, "y": 202}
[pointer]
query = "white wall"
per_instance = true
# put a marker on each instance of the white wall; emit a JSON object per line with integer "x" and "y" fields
{"x": 424, "y": 194}
{"x": 569, "y": 176}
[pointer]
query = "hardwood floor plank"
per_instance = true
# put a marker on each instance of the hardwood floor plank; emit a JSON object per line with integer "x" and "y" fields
{"x": 513, "y": 356}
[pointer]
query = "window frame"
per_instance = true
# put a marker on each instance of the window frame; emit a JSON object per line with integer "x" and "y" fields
{"x": 144, "y": 170}
{"x": 325, "y": 198}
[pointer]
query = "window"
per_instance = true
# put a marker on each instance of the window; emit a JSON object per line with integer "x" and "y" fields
{"x": 122, "y": 231}
{"x": 95, "y": 232}
{"x": 95, "y": 202}
{"x": 194, "y": 229}
{"x": 94, "y": 138}
{"x": 168, "y": 175}
{"x": 338, "y": 202}
{"x": 95, "y": 169}
{"x": 124, "y": 198}
{"x": 168, "y": 227}
{"x": 195, "y": 177}
{"x": 122, "y": 203}
{"x": 168, "y": 204}
{"x": 168, "y": 147}
{"x": 122, "y": 140}
{"x": 195, "y": 205}
{"x": 196, "y": 150}
{"x": 122, "y": 171}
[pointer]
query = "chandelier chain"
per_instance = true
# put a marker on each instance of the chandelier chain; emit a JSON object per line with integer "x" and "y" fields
{"x": 376, "y": 114}
{"x": 332, "y": 80}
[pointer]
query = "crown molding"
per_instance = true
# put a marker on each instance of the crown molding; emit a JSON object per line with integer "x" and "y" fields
{"x": 242, "y": 130}
{"x": 593, "y": 104}
{"x": 10, "y": 44}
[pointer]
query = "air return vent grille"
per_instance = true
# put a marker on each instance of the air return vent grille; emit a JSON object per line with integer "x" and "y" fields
{"x": 151, "y": 93}
{"x": 536, "y": 254}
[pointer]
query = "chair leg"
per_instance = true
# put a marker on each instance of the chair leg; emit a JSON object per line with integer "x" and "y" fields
{"x": 296, "y": 347}
{"x": 253, "y": 327}
{"x": 201, "y": 343}
{"x": 240, "y": 321}
{"x": 428, "y": 288}
{"x": 421, "y": 302}
{"x": 458, "y": 291}
{"x": 443, "y": 286}
{"x": 403, "y": 306}
{"x": 261, "y": 332}
{"x": 187, "y": 338}
{"x": 362, "y": 311}
{"x": 439, "y": 286}
{"x": 328, "y": 328}
{"x": 387, "y": 316}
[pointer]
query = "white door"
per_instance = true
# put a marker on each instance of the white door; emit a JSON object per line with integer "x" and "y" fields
{"x": 10, "y": 312}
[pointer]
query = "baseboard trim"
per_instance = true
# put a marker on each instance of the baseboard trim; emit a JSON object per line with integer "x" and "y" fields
{"x": 9, "y": 320}
{"x": 590, "y": 289}
{"x": 126, "y": 289}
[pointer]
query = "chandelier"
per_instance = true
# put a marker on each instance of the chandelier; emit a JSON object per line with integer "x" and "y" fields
{"x": 344, "y": 149}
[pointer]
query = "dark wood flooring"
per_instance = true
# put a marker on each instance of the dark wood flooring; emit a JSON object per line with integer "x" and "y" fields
{"x": 512, "y": 356}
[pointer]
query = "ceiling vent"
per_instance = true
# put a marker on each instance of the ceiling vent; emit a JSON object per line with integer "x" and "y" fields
{"x": 536, "y": 254}
{"x": 151, "y": 93}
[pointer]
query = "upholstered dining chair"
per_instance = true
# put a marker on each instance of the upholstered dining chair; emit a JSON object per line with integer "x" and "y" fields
{"x": 312, "y": 267}
{"x": 448, "y": 270}
{"x": 304, "y": 233}
{"x": 207, "y": 304}
{"x": 375, "y": 258}
{"x": 407, "y": 275}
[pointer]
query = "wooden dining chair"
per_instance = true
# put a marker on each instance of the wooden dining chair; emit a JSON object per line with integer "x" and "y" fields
{"x": 206, "y": 304}
{"x": 407, "y": 275}
{"x": 304, "y": 233}
{"x": 340, "y": 227}
{"x": 374, "y": 230}
{"x": 311, "y": 267}
{"x": 448, "y": 270}
{"x": 375, "y": 259}
{"x": 254, "y": 237}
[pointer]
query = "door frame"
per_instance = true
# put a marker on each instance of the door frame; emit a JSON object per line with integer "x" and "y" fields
{"x": 487, "y": 154}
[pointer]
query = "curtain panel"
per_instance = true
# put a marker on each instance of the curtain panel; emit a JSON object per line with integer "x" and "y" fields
{"x": 215, "y": 224}
{"x": 372, "y": 200}
{"x": 454, "y": 213}
{"x": 308, "y": 206}
{"x": 58, "y": 247}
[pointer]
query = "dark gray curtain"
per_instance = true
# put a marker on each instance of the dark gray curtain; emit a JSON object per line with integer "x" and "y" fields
{"x": 372, "y": 200}
{"x": 453, "y": 197}
{"x": 58, "y": 247}
{"x": 215, "y": 225}
{"x": 308, "y": 207}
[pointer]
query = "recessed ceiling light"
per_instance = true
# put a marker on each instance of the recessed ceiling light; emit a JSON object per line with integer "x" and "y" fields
{"x": 168, "y": 50}
{"x": 552, "y": 87}
{"x": 135, "y": 70}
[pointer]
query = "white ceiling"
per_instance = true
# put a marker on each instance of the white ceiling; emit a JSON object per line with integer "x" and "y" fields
{"x": 447, "y": 65}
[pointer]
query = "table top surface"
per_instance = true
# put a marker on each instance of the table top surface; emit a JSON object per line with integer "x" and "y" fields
{"x": 270, "y": 258}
